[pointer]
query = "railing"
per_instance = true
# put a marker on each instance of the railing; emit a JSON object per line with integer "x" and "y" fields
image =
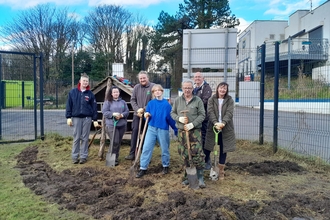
{"x": 302, "y": 48}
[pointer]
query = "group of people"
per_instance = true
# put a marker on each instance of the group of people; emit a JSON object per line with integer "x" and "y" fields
{"x": 193, "y": 117}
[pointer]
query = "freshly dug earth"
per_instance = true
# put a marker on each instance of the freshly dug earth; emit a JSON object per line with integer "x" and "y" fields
{"x": 257, "y": 185}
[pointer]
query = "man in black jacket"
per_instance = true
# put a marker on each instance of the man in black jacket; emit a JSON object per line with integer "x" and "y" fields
{"x": 81, "y": 109}
{"x": 203, "y": 90}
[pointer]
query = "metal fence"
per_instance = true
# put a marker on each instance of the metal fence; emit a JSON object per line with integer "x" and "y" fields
{"x": 18, "y": 96}
{"x": 298, "y": 88}
{"x": 299, "y": 95}
{"x": 294, "y": 107}
{"x": 283, "y": 99}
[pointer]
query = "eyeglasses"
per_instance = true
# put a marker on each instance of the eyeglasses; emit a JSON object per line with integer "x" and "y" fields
{"x": 187, "y": 88}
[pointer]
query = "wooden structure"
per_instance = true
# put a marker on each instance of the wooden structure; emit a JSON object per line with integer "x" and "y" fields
{"x": 100, "y": 91}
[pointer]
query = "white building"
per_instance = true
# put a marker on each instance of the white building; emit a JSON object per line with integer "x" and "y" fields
{"x": 304, "y": 38}
{"x": 252, "y": 37}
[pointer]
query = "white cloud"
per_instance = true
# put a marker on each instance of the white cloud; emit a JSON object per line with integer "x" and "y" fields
{"x": 23, "y": 4}
{"x": 75, "y": 16}
{"x": 144, "y": 3}
{"x": 274, "y": 2}
{"x": 282, "y": 9}
{"x": 243, "y": 24}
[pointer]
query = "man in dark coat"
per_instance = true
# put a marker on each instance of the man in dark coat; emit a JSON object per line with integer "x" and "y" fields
{"x": 81, "y": 109}
{"x": 203, "y": 90}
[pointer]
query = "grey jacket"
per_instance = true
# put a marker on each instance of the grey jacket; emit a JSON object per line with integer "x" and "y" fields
{"x": 196, "y": 114}
{"x": 141, "y": 96}
{"x": 228, "y": 132}
{"x": 109, "y": 108}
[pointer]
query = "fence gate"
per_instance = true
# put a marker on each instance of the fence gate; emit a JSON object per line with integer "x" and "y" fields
{"x": 19, "y": 102}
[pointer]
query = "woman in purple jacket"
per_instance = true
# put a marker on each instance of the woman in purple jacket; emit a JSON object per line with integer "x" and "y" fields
{"x": 115, "y": 109}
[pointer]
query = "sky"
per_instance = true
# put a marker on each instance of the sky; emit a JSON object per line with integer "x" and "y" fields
{"x": 245, "y": 10}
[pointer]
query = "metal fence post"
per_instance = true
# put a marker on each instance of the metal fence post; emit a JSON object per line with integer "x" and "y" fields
{"x": 289, "y": 63}
{"x": 41, "y": 79}
{"x": 225, "y": 71}
{"x": 276, "y": 82}
{"x": 262, "y": 94}
{"x": 23, "y": 94}
{"x": 1, "y": 96}
{"x": 56, "y": 93}
{"x": 35, "y": 96}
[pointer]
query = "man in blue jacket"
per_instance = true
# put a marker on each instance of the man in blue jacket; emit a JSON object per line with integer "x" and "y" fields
{"x": 81, "y": 109}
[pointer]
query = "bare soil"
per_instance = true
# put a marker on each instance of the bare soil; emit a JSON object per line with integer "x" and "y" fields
{"x": 255, "y": 187}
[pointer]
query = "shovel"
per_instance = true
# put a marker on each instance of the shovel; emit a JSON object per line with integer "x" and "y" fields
{"x": 111, "y": 158}
{"x": 96, "y": 132}
{"x": 214, "y": 173}
{"x": 137, "y": 157}
{"x": 191, "y": 171}
{"x": 139, "y": 136}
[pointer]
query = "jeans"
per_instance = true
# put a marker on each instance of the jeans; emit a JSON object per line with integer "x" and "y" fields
{"x": 163, "y": 137}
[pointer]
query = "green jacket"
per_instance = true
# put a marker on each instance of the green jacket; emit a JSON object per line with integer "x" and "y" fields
{"x": 228, "y": 132}
{"x": 196, "y": 114}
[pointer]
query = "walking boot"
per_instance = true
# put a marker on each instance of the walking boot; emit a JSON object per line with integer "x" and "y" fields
{"x": 130, "y": 157}
{"x": 141, "y": 173}
{"x": 185, "y": 179}
{"x": 221, "y": 171}
{"x": 165, "y": 170}
{"x": 117, "y": 155}
{"x": 200, "y": 176}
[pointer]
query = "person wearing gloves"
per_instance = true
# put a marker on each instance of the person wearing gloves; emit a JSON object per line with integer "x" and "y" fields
{"x": 115, "y": 110}
{"x": 140, "y": 97}
{"x": 220, "y": 110}
{"x": 203, "y": 90}
{"x": 189, "y": 113}
{"x": 158, "y": 111}
{"x": 81, "y": 109}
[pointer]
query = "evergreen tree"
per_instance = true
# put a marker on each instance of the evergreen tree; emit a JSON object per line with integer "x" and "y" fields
{"x": 193, "y": 14}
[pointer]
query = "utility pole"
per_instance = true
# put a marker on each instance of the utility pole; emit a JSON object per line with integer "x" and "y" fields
{"x": 72, "y": 65}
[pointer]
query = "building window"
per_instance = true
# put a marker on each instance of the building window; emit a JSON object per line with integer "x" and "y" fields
{"x": 272, "y": 37}
{"x": 282, "y": 36}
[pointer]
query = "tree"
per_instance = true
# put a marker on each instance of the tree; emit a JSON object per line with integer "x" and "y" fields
{"x": 193, "y": 14}
{"x": 42, "y": 29}
{"x": 83, "y": 63}
{"x": 138, "y": 40}
{"x": 167, "y": 42}
{"x": 208, "y": 13}
{"x": 105, "y": 26}
{"x": 101, "y": 66}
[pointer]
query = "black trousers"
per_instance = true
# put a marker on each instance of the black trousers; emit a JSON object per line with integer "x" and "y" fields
{"x": 135, "y": 133}
{"x": 203, "y": 131}
{"x": 119, "y": 133}
{"x": 222, "y": 155}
